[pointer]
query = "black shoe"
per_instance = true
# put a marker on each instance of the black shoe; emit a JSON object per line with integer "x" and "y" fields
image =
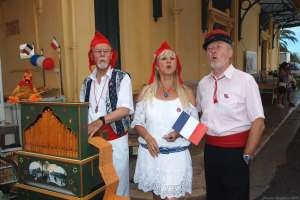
{"x": 291, "y": 104}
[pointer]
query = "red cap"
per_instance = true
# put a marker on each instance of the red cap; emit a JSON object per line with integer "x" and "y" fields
{"x": 216, "y": 35}
{"x": 100, "y": 39}
{"x": 165, "y": 46}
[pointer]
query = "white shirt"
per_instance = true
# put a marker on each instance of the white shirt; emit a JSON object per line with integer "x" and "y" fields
{"x": 158, "y": 116}
{"x": 239, "y": 102}
{"x": 97, "y": 96}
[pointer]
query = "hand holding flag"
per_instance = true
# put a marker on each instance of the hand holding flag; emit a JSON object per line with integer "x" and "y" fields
{"x": 190, "y": 128}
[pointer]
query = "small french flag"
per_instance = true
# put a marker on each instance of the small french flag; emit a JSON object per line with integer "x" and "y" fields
{"x": 54, "y": 44}
{"x": 27, "y": 49}
{"x": 190, "y": 128}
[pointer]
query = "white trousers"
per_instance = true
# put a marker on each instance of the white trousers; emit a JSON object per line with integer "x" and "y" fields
{"x": 121, "y": 163}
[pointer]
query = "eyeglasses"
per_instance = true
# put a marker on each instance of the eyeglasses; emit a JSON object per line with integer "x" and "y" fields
{"x": 102, "y": 51}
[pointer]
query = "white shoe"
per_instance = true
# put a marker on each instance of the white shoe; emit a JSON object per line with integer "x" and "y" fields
{"x": 280, "y": 105}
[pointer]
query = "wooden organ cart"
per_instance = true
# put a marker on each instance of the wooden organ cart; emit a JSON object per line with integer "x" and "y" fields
{"x": 59, "y": 160}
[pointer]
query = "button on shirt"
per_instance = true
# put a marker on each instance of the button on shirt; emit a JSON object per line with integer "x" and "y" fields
{"x": 239, "y": 102}
{"x": 124, "y": 95}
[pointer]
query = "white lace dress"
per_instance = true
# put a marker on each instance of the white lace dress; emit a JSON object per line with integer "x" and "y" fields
{"x": 168, "y": 175}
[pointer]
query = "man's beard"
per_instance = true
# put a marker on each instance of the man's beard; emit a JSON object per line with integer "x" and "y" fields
{"x": 102, "y": 65}
{"x": 216, "y": 65}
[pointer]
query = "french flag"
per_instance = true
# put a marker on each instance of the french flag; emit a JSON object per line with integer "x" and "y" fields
{"x": 27, "y": 49}
{"x": 54, "y": 44}
{"x": 190, "y": 128}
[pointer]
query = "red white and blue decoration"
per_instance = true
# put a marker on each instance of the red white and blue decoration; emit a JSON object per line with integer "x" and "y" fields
{"x": 54, "y": 44}
{"x": 190, "y": 128}
{"x": 46, "y": 63}
{"x": 27, "y": 49}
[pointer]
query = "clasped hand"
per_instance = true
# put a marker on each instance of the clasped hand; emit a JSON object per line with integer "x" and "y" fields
{"x": 153, "y": 148}
{"x": 171, "y": 137}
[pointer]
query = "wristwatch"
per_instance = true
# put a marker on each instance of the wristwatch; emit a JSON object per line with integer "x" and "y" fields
{"x": 247, "y": 158}
{"x": 102, "y": 119}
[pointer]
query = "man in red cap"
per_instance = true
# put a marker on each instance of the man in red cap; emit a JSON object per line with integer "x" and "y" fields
{"x": 109, "y": 93}
{"x": 231, "y": 107}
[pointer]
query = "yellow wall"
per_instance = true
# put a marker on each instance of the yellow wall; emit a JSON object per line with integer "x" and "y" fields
{"x": 12, "y": 65}
{"x": 141, "y": 36}
{"x": 135, "y": 36}
{"x": 249, "y": 41}
{"x": 72, "y": 22}
{"x": 190, "y": 41}
{"x": 78, "y": 29}
{"x": 275, "y": 53}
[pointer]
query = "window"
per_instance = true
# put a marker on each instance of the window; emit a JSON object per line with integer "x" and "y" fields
{"x": 222, "y": 5}
{"x": 107, "y": 22}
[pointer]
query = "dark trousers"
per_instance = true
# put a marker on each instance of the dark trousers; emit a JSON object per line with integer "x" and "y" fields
{"x": 226, "y": 173}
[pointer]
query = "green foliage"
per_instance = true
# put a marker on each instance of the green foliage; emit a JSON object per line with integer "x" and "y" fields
{"x": 295, "y": 58}
{"x": 284, "y": 36}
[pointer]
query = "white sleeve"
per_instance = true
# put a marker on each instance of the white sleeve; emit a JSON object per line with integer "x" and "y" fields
{"x": 125, "y": 95}
{"x": 82, "y": 93}
{"x": 139, "y": 115}
{"x": 253, "y": 100}
{"x": 198, "y": 99}
{"x": 192, "y": 111}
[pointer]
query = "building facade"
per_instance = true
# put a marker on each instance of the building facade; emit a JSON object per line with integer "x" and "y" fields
{"x": 136, "y": 28}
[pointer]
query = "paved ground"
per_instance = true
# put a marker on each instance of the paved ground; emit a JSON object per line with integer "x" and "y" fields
{"x": 286, "y": 182}
{"x": 273, "y": 152}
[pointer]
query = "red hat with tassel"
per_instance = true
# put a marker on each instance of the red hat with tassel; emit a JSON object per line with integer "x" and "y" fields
{"x": 165, "y": 46}
{"x": 101, "y": 39}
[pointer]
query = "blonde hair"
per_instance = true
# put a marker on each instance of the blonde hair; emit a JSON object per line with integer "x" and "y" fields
{"x": 181, "y": 89}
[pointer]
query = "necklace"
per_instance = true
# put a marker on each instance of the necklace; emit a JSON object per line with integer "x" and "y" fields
{"x": 166, "y": 91}
{"x": 97, "y": 102}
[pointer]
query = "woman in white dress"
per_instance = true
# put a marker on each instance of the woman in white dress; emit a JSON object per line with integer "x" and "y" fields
{"x": 164, "y": 164}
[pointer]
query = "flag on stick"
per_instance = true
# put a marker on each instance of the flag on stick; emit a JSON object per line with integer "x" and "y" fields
{"x": 54, "y": 44}
{"x": 190, "y": 128}
{"x": 27, "y": 49}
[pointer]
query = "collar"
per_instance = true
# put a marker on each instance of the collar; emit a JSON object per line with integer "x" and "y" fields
{"x": 94, "y": 73}
{"x": 227, "y": 73}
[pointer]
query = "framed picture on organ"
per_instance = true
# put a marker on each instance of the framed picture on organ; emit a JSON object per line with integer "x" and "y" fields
{"x": 251, "y": 62}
